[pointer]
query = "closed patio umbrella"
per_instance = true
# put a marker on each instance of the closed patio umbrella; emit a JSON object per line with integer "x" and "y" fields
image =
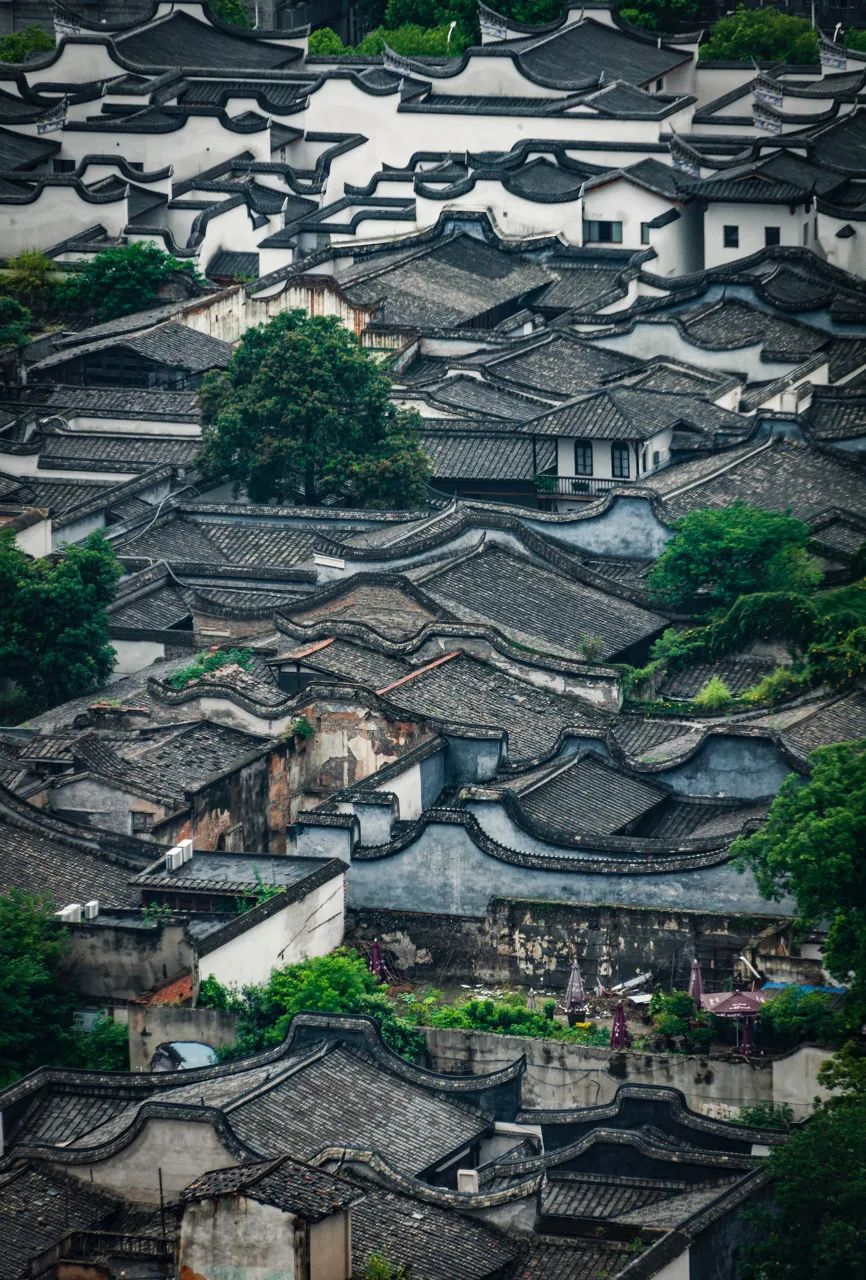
{"x": 619, "y": 1035}
{"x": 575, "y": 992}
{"x": 376, "y": 963}
{"x": 696, "y": 983}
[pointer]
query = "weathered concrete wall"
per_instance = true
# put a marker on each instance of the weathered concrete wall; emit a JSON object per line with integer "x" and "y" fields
{"x": 182, "y": 1149}
{"x": 153, "y": 1025}
{"x": 125, "y": 959}
{"x": 233, "y": 1238}
{"x": 562, "y": 1075}
{"x": 245, "y": 809}
{"x": 533, "y": 943}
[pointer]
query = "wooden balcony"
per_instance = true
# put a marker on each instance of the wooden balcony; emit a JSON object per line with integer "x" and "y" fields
{"x": 580, "y": 487}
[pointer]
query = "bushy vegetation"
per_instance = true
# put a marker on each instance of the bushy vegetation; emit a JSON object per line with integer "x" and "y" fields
{"x": 303, "y": 412}
{"x": 816, "y": 1229}
{"x": 717, "y": 555}
{"x": 766, "y": 1115}
{"x": 336, "y": 983}
{"x": 342, "y": 983}
{"x": 410, "y": 40}
{"x": 231, "y": 12}
{"x": 679, "y": 1023}
{"x": 794, "y": 1017}
{"x": 811, "y": 848}
{"x": 765, "y": 34}
{"x": 18, "y": 46}
{"x": 15, "y": 321}
{"x": 38, "y": 1003}
{"x": 714, "y": 696}
{"x": 53, "y": 624}
{"x": 204, "y": 663}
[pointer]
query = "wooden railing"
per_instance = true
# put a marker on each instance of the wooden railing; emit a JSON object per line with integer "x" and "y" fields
{"x": 575, "y": 486}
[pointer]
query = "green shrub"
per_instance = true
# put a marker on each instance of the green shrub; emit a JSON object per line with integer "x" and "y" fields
{"x": 325, "y": 43}
{"x": 119, "y": 281}
{"x": 794, "y": 1016}
{"x": 18, "y": 46}
{"x": 105, "y": 1047}
{"x": 766, "y": 1115}
{"x": 207, "y": 662}
{"x": 776, "y": 687}
{"x": 714, "y": 696}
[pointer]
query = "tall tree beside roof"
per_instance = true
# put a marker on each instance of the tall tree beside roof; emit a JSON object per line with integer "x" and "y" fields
{"x": 30, "y": 277}
{"x": 14, "y": 324}
{"x": 765, "y": 34}
{"x": 302, "y": 413}
{"x": 53, "y": 624}
{"x": 718, "y": 555}
{"x": 36, "y": 1003}
{"x": 811, "y": 847}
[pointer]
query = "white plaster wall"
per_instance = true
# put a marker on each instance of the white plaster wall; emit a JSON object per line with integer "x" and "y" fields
{"x": 57, "y": 213}
{"x": 601, "y": 456}
{"x": 849, "y": 253}
{"x": 331, "y": 1248}
{"x": 132, "y": 426}
{"x": 407, "y": 788}
{"x": 662, "y": 339}
{"x": 312, "y": 926}
{"x": 199, "y": 143}
{"x": 133, "y": 655}
{"x": 36, "y": 540}
{"x": 751, "y": 219}
{"x": 182, "y": 1149}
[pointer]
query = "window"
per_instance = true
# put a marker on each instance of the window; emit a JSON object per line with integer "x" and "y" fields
{"x": 141, "y": 821}
{"x": 660, "y": 84}
{"x": 731, "y": 237}
{"x": 657, "y": 457}
{"x": 644, "y": 232}
{"x": 582, "y": 458}
{"x": 602, "y": 232}
{"x": 805, "y": 233}
{"x": 619, "y": 463}
{"x": 772, "y": 235}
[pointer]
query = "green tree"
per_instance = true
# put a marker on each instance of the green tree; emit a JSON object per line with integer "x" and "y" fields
{"x": 119, "y": 281}
{"x": 36, "y": 1001}
{"x": 231, "y": 12}
{"x": 718, "y": 555}
{"x": 14, "y": 323}
{"x": 380, "y": 1267}
{"x": 301, "y": 408}
{"x": 326, "y": 43}
{"x": 660, "y": 15}
{"x": 53, "y": 625}
{"x": 855, "y": 40}
{"x": 818, "y": 1228}
{"x": 31, "y": 278}
{"x": 811, "y": 847}
{"x": 794, "y": 1016}
{"x": 336, "y": 983}
{"x": 18, "y": 46}
{"x": 765, "y": 34}
{"x": 105, "y": 1047}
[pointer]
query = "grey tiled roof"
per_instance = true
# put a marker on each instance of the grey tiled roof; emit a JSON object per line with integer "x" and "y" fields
{"x": 782, "y": 477}
{"x": 842, "y": 720}
{"x": 475, "y": 456}
{"x": 589, "y": 795}
{"x": 284, "y": 1183}
{"x": 738, "y": 673}
{"x": 343, "y": 1099}
{"x": 554, "y": 1258}
{"x": 837, "y": 414}
{"x": 102, "y": 452}
{"x": 388, "y": 610}
{"x": 38, "y": 1208}
{"x": 124, "y": 401}
{"x": 433, "y": 1243}
{"x": 172, "y": 344}
{"x": 180, "y": 39}
{"x": 539, "y": 606}
{"x": 578, "y": 54}
{"x": 560, "y": 365}
{"x": 732, "y": 322}
{"x": 626, "y": 413}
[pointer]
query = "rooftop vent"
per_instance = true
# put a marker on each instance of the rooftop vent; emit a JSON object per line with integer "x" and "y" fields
{"x": 467, "y": 1181}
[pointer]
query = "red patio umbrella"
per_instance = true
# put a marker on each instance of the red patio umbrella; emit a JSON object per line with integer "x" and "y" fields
{"x": 735, "y": 1004}
{"x": 619, "y": 1034}
{"x": 696, "y": 983}
{"x": 376, "y": 963}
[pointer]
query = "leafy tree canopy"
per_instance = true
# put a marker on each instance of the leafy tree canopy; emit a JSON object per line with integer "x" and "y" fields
{"x": 819, "y": 1185}
{"x": 302, "y": 409}
{"x": 14, "y": 323}
{"x": 119, "y": 281}
{"x": 855, "y": 40}
{"x": 30, "y": 278}
{"x": 230, "y": 11}
{"x": 811, "y": 847}
{"x": 717, "y": 556}
{"x": 38, "y": 1002}
{"x": 336, "y": 983}
{"x": 660, "y": 15}
{"x": 765, "y": 34}
{"x": 18, "y": 46}
{"x": 53, "y": 624}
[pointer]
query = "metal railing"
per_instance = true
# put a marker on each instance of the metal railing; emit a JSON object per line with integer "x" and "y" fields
{"x": 575, "y": 486}
{"x": 100, "y": 1245}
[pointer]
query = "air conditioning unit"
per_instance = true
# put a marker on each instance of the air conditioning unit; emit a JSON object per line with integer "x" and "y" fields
{"x": 71, "y": 914}
{"x": 186, "y": 847}
{"x": 173, "y": 859}
{"x": 91, "y": 909}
